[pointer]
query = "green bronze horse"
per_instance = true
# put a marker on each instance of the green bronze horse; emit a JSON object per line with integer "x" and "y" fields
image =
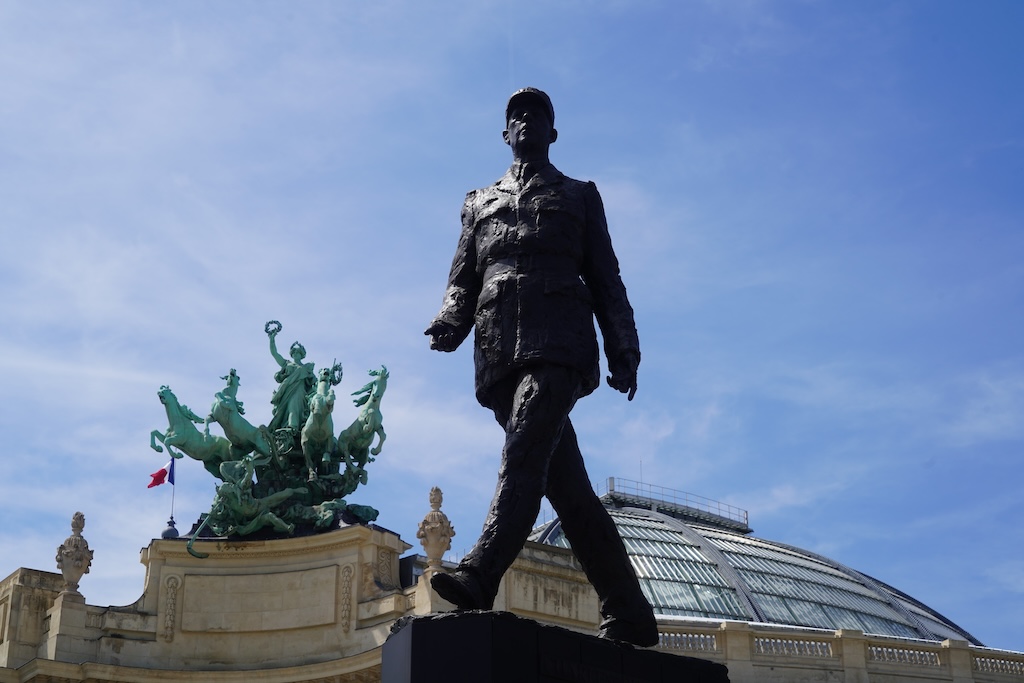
{"x": 355, "y": 440}
{"x": 227, "y": 411}
{"x": 182, "y": 434}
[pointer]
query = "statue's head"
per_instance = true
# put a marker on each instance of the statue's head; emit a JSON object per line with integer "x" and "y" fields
{"x": 298, "y": 351}
{"x": 529, "y": 122}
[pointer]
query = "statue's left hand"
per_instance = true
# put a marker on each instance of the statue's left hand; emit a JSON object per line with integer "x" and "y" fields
{"x": 625, "y": 384}
{"x": 623, "y": 377}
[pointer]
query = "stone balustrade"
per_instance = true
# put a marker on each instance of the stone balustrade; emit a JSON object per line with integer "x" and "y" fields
{"x": 758, "y": 653}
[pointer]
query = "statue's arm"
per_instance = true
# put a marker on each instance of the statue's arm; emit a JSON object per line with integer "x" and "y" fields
{"x": 611, "y": 305}
{"x": 273, "y": 350}
{"x": 452, "y": 324}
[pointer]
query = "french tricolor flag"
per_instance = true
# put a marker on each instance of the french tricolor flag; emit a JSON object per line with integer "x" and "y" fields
{"x": 163, "y": 475}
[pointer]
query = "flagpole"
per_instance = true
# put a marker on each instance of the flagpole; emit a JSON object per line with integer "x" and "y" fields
{"x": 166, "y": 475}
{"x": 171, "y": 531}
{"x": 173, "y": 487}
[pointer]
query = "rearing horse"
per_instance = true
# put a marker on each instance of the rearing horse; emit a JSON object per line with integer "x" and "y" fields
{"x": 318, "y": 441}
{"x": 183, "y": 435}
{"x": 355, "y": 440}
{"x": 227, "y": 412}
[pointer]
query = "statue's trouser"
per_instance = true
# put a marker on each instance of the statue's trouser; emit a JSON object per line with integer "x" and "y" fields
{"x": 541, "y": 457}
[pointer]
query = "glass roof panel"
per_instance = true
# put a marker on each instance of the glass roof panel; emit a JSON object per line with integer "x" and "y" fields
{"x": 718, "y": 600}
{"x": 560, "y": 540}
{"x": 624, "y": 517}
{"x": 642, "y": 546}
{"x": 745, "y": 546}
{"x": 808, "y": 613}
{"x": 774, "y": 608}
{"x": 844, "y": 618}
{"x": 885, "y": 627}
{"x": 677, "y": 570}
{"x": 691, "y": 613}
{"x": 670, "y": 594}
{"x": 799, "y": 573}
{"x": 652, "y": 533}
{"x": 669, "y": 597}
{"x": 814, "y": 592}
{"x": 760, "y": 564}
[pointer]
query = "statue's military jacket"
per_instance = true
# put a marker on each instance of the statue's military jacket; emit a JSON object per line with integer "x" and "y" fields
{"x": 533, "y": 268}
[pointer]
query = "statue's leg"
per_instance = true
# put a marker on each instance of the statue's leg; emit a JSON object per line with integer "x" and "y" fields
{"x": 532, "y": 407}
{"x": 247, "y": 528}
{"x": 380, "y": 441}
{"x": 278, "y": 523}
{"x": 597, "y": 545}
{"x": 311, "y": 470}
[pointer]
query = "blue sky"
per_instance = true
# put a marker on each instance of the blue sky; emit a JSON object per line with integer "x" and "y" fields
{"x": 817, "y": 208}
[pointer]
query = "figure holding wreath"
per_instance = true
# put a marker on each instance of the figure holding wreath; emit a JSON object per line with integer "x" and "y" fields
{"x": 296, "y": 381}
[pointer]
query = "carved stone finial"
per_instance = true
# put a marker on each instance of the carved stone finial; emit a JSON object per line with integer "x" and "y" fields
{"x": 435, "y": 532}
{"x": 74, "y": 555}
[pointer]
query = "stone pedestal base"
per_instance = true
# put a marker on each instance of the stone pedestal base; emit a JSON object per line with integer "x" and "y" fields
{"x": 499, "y": 647}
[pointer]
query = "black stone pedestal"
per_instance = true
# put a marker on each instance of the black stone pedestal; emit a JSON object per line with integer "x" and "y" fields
{"x": 499, "y": 647}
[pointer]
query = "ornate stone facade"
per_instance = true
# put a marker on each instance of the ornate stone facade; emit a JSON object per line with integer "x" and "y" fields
{"x": 318, "y": 609}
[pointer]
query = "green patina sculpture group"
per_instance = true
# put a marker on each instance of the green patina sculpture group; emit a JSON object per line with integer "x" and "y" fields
{"x": 293, "y": 471}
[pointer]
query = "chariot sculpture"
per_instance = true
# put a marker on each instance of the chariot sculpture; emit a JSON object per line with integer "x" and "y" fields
{"x": 292, "y": 473}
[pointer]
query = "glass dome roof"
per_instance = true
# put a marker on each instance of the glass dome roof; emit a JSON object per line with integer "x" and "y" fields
{"x": 696, "y": 558}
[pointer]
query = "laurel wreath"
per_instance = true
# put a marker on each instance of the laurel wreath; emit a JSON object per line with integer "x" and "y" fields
{"x": 272, "y": 327}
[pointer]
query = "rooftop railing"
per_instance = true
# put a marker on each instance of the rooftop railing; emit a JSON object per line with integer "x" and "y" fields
{"x": 680, "y": 499}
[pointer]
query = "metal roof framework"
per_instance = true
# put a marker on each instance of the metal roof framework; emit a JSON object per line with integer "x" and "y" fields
{"x": 699, "y": 560}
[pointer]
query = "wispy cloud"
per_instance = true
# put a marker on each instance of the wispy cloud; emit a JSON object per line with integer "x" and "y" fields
{"x": 992, "y": 405}
{"x": 823, "y": 265}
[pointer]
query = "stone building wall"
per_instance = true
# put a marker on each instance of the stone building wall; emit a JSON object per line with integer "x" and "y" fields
{"x": 317, "y": 610}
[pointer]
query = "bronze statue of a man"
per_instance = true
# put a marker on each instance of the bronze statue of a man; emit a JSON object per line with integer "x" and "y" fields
{"x": 533, "y": 267}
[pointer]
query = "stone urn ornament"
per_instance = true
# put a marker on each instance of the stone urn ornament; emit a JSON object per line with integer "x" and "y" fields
{"x": 74, "y": 555}
{"x": 435, "y": 532}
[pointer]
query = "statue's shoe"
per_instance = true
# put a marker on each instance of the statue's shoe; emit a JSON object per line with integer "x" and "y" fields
{"x": 460, "y": 589}
{"x": 643, "y": 633}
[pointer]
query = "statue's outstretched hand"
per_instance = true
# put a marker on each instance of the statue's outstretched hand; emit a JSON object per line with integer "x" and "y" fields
{"x": 443, "y": 337}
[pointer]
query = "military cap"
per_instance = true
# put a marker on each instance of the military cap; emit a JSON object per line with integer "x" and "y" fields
{"x": 530, "y": 93}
